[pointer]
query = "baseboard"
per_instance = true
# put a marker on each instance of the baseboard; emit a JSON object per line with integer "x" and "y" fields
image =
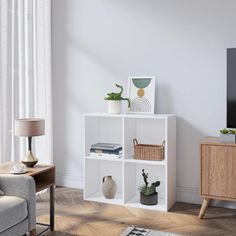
{"x": 188, "y": 194}
{"x": 191, "y": 195}
{"x": 69, "y": 181}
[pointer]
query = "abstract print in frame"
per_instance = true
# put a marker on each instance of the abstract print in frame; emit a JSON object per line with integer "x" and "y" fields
{"x": 142, "y": 94}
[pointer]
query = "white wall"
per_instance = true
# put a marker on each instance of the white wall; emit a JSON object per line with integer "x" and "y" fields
{"x": 182, "y": 42}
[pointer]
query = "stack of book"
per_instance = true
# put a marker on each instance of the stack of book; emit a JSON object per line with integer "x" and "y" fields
{"x": 111, "y": 150}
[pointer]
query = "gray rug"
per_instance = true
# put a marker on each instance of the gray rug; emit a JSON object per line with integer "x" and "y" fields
{"x": 136, "y": 231}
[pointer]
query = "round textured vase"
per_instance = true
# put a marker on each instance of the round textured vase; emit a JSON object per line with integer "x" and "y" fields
{"x": 108, "y": 187}
{"x": 114, "y": 107}
{"x": 148, "y": 200}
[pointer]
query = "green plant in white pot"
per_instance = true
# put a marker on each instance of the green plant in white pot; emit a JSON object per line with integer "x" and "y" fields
{"x": 228, "y": 135}
{"x": 114, "y": 101}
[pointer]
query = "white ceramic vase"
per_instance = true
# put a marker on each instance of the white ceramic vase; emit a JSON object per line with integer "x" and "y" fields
{"x": 108, "y": 187}
{"x": 228, "y": 138}
{"x": 114, "y": 107}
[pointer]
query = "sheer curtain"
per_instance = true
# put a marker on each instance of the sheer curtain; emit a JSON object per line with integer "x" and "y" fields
{"x": 25, "y": 74}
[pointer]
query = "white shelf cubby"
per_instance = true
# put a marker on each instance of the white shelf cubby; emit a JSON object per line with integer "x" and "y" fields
{"x": 102, "y": 129}
{"x": 133, "y": 180}
{"x": 97, "y": 169}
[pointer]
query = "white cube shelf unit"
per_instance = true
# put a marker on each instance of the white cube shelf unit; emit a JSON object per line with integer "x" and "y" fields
{"x": 127, "y": 171}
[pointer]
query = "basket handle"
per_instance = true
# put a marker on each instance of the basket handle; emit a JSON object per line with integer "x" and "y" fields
{"x": 163, "y": 143}
{"x": 135, "y": 141}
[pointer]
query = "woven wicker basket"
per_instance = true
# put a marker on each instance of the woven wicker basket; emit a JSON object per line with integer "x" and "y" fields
{"x": 148, "y": 151}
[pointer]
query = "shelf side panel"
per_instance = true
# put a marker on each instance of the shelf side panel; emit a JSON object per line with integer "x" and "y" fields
{"x": 171, "y": 161}
{"x": 129, "y": 135}
{"x": 91, "y": 132}
{"x": 91, "y": 183}
{"x": 129, "y": 181}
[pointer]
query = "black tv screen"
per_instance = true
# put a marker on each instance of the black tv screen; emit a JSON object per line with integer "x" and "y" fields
{"x": 231, "y": 88}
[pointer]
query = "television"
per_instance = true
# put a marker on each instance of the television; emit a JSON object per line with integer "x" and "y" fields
{"x": 231, "y": 88}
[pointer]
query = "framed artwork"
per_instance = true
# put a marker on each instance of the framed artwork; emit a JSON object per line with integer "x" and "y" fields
{"x": 141, "y": 92}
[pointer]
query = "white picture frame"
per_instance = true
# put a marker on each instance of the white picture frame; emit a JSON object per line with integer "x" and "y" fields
{"x": 141, "y": 92}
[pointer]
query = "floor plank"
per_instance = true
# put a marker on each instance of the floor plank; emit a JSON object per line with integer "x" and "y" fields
{"x": 77, "y": 217}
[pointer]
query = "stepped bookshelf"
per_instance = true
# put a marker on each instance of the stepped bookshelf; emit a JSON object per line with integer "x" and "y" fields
{"x": 127, "y": 171}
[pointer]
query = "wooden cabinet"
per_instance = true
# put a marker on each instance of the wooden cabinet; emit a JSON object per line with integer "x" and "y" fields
{"x": 218, "y": 171}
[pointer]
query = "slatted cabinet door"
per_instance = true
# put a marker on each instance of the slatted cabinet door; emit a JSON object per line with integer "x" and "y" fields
{"x": 232, "y": 172}
{"x": 218, "y": 167}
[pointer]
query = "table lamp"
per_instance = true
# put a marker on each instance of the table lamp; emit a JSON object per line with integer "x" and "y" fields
{"x": 29, "y": 127}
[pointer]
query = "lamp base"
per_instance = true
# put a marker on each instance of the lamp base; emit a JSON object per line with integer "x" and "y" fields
{"x": 29, "y": 163}
{"x": 30, "y": 160}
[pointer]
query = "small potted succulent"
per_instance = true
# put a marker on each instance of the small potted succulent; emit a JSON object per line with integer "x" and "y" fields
{"x": 114, "y": 101}
{"x": 228, "y": 135}
{"x": 148, "y": 194}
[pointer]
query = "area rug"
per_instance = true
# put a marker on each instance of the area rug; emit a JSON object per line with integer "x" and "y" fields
{"x": 136, "y": 231}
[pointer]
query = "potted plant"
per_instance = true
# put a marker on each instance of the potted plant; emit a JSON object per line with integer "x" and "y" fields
{"x": 228, "y": 135}
{"x": 114, "y": 101}
{"x": 148, "y": 194}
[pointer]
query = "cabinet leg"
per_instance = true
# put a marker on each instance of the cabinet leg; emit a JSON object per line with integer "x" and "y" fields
{"x": 205, "y": 204}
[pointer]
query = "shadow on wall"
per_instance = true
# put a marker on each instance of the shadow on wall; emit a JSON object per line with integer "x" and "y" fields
{"x": 164, "y": 103}
{"x": 188, "y": 140}
{"x": 67, "y": 132}
{"x": 80, "y": 76}
{"x": 60, "y": 90}
{"x": 95, "y": 76}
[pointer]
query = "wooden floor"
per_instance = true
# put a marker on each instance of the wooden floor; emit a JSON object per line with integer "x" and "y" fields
{"x": 77, "y": 217}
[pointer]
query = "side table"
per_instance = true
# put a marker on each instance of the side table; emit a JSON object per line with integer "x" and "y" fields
{"x": 44, "y": 177}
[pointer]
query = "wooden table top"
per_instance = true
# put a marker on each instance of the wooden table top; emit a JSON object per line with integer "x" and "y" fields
{"x": 216, "y": 141}
{"x": 5, "y": 168}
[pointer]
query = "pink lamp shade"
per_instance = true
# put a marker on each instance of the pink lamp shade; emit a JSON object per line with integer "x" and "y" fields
{"x": 29, "y": 127}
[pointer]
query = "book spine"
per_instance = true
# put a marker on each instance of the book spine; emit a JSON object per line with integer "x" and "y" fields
{"x": 106, "y": 148}
{"x": 116, "y": 152}
{"x": 105, "y": 155}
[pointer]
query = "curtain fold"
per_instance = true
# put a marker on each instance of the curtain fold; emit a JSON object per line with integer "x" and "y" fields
{"x": 25, "y": 75}
{"x": 4, "y": 139}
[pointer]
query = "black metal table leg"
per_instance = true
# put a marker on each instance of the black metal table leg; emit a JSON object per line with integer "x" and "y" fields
{"x": 52, "y": 212}
{"x": 52, "y": 222}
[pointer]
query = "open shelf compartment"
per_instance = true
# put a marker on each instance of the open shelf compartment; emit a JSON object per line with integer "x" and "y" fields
{"x": 93, "y": 180}
{"x": 107, "y": 129}
{"x": 146, "y": 131}
{"x": 133, "y": 180}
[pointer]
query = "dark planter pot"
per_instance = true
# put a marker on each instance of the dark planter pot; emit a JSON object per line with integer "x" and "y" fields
{"x": 149, "y": 200}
